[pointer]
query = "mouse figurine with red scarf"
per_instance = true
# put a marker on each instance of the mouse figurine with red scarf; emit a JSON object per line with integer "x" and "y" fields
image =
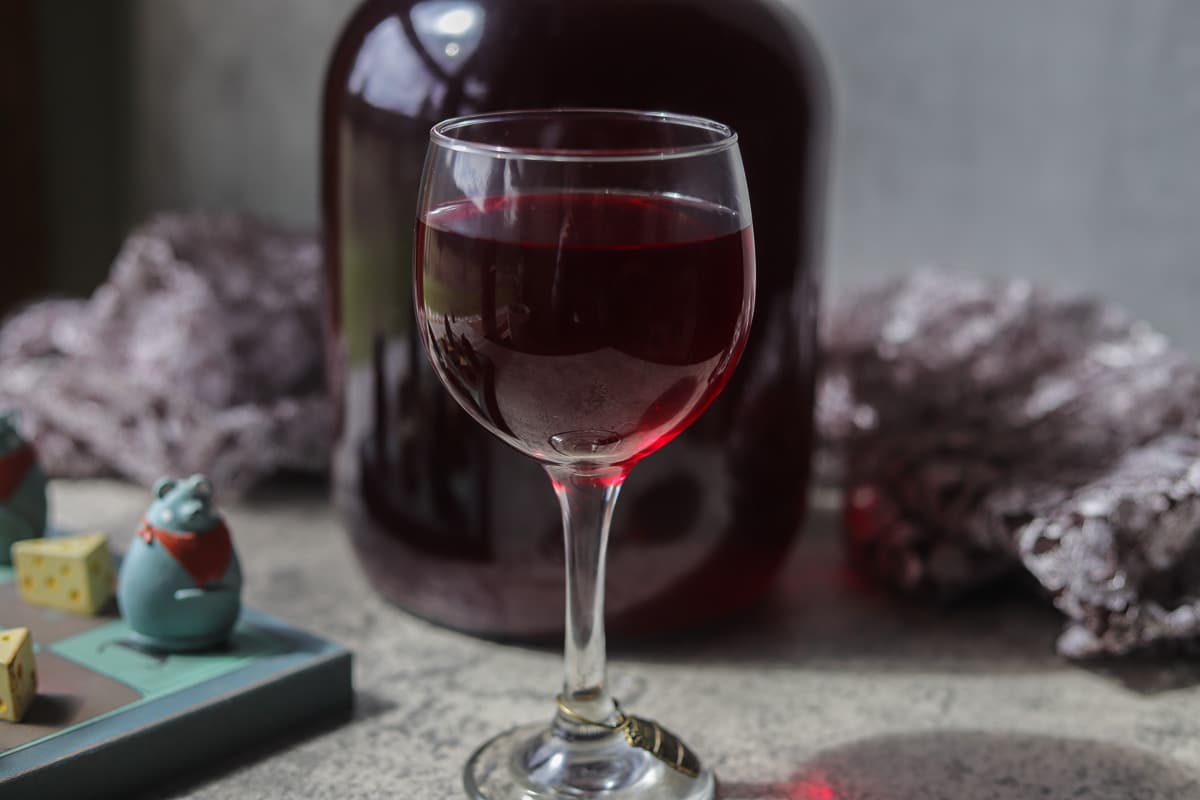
{"x": 180, "y": 583}
{"x": 22, "y": 488}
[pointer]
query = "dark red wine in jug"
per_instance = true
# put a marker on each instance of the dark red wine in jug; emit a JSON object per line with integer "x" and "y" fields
{"x": 448, "y": 521}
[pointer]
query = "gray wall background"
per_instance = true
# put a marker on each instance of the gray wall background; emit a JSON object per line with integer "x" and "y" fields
{"x": 1055, "y": 139}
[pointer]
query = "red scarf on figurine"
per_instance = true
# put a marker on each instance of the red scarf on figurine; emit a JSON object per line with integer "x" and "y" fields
{"x": 13, "y": 468}
{"x": 204, "y": 555}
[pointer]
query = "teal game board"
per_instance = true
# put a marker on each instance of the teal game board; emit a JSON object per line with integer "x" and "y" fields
{"x": 111, "y": 718}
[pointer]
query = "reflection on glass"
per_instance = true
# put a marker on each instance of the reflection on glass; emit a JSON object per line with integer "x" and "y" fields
{"x": 449, "y": 31}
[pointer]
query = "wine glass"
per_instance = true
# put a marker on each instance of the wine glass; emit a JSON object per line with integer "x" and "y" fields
{"x": 584, "y": 285}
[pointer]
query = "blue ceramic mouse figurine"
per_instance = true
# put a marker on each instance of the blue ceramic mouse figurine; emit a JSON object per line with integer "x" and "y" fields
{"x": 22, "y": 488}
{"x": 180, "y": 583}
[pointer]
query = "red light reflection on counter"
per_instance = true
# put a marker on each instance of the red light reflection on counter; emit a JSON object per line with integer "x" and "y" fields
{"x": 814, "y": 787}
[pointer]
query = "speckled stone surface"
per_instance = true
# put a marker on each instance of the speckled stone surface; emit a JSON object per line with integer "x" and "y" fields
{"x": 831, "y": 692}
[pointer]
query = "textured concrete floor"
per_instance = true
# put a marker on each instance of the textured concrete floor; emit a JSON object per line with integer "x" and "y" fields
{"x": 830, "y": 693}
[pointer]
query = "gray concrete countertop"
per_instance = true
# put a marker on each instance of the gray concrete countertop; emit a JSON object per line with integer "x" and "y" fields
{"x": 831, "y": 692}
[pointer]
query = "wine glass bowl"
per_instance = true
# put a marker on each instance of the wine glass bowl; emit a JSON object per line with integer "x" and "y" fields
{"x": 584, "y": 286}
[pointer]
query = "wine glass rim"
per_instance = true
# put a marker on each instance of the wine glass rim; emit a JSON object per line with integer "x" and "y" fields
{"x": 726, "y": 137}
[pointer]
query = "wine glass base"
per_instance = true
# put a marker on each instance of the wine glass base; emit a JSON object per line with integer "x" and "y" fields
{"x": 536, "y": 762}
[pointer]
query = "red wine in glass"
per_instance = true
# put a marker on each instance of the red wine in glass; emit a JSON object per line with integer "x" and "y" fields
{"x": 604, "y": 324}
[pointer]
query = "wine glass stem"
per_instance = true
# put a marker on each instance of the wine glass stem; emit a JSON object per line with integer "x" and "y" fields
{"x": 587, "y": 497}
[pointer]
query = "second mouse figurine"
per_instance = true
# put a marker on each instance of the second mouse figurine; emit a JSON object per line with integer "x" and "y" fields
{"x": 180, "y": 582}
{"x": 22, "y": 488}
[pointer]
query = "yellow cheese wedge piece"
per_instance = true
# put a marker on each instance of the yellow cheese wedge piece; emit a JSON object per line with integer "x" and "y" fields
{"x": 71, "y": 573}
{"x": 18, "y": 673}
